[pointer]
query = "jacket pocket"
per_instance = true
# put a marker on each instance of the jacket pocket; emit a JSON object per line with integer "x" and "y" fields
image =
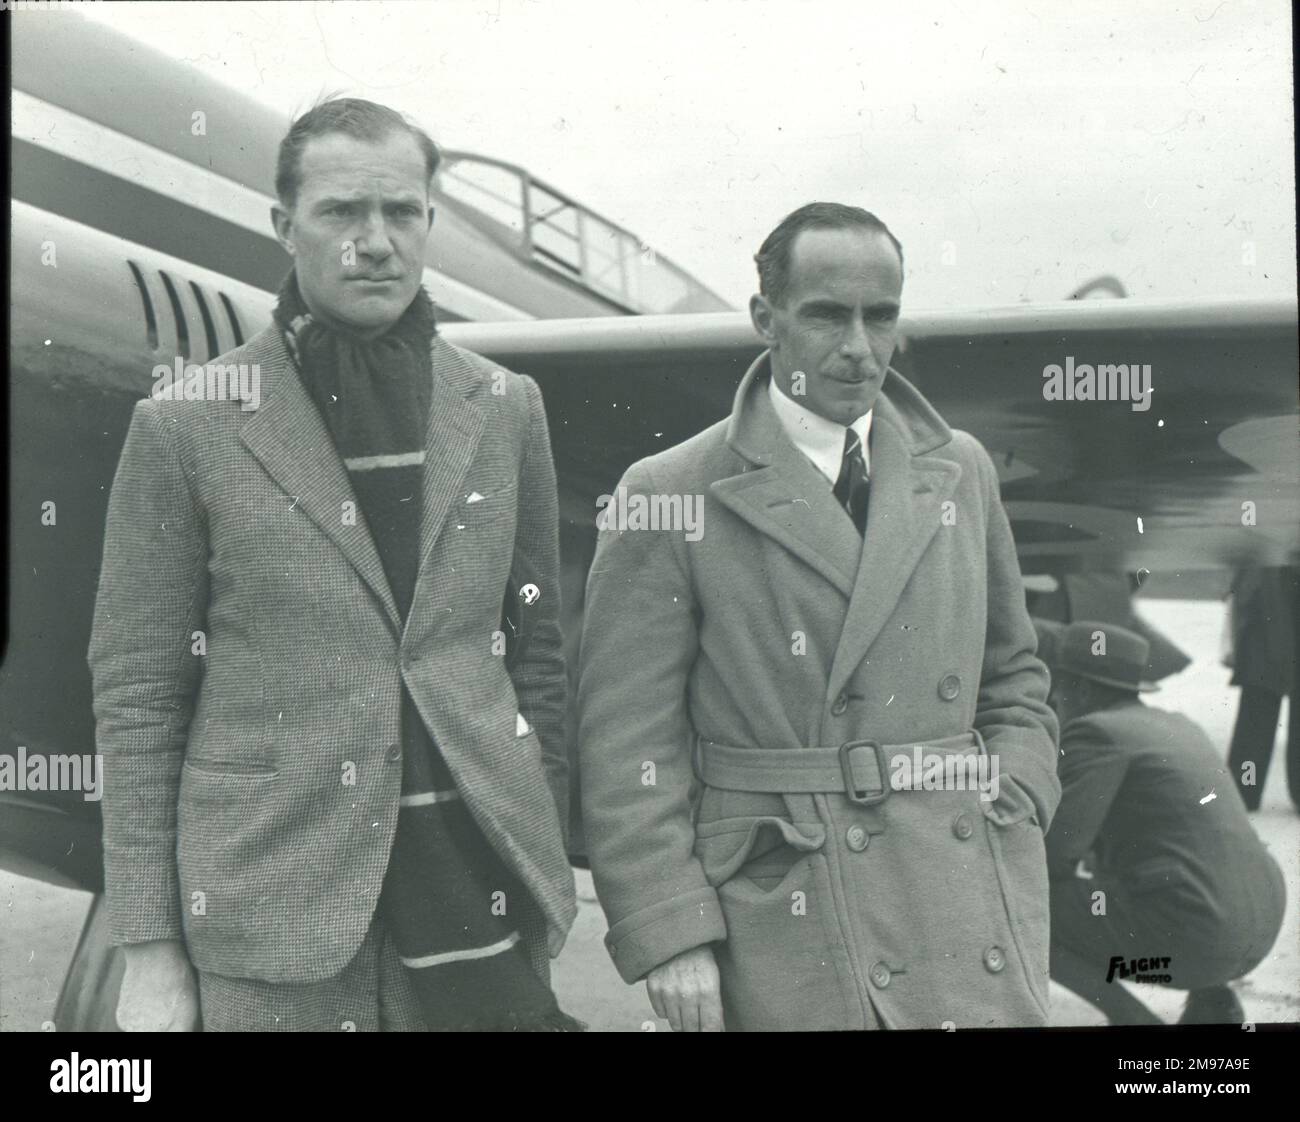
{"x": 230, "y": 769}
{"x": 779, "y": 967}
{"x": 760, "y": 846}
{"x": 1012, "y": 806}
{"x": 485, "y": 505}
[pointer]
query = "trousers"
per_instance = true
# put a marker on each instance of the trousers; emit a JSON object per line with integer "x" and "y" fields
{"x": 1144, "y": 925}
{"x": 1253, "y": 737}
{"x": 371, "y": 994}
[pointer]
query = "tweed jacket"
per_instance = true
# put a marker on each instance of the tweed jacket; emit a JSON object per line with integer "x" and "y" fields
{"x": 248, "y": 657}
{"x": 780, "y": 628}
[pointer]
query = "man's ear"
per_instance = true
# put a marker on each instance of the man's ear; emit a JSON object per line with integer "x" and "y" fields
{"x": 282, "y": 224}
{"x": 760, "y": 314}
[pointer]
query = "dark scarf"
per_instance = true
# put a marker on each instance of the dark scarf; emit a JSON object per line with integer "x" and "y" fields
{"x": 446, "y": 888}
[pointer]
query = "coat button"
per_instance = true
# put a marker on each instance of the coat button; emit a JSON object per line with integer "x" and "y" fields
{"x": 949, "y": 687}
{"x": 994, "y": 960}
{"x": 879, "y": 975}
{"x": 961, "y": 826}
{"x": 394, "y": 752}
{"x": 857, "y": 838}
{"x": 841, "y": 706}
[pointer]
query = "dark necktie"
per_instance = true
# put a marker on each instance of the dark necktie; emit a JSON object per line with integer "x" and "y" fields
{"x": 852, "y": 485}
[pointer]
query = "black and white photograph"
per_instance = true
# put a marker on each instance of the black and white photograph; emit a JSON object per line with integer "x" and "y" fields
{"x": 713, "y": 515}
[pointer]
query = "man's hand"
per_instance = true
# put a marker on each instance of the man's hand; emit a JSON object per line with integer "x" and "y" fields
{"x": 687, "y": 991}
{"x": 160, "y": 992}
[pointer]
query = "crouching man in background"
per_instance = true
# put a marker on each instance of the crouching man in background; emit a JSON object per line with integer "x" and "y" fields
{"x": 1156, "y": 872}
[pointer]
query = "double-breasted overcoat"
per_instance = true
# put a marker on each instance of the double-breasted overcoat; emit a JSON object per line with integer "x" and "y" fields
{"x": 772, "y": 626}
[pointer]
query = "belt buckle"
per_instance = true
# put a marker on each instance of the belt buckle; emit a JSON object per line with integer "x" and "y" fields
{"x": 846, "y": 769}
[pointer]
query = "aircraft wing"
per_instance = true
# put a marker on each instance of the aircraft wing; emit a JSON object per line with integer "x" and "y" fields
{"x": 1204, "y": 477}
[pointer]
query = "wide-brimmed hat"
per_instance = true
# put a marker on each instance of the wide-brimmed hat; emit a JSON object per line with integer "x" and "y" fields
{"x": 1105, "y": 653}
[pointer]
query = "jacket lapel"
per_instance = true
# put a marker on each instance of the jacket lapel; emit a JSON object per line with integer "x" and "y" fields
{"x": 783, "y": 496}
{"x": 451, "y": 439}
{"x": 908, "y": 490}
{"x": 289, "y": 438}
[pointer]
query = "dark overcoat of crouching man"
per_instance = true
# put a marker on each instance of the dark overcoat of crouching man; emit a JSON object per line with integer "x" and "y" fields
{"x": 847, "y": 624}
{"x": 1156, "y": 873}
{"x": 328, "y": 802}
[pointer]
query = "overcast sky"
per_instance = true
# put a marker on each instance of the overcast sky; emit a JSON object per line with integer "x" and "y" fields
{"x": 1016, "y": 148}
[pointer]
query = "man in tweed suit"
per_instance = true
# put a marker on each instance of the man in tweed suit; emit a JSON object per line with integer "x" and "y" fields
{"x": 287, "y": 648}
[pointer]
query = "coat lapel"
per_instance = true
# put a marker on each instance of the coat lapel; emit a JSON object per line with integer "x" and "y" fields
{"x": 907, "y": 494}
{"x": 289, "y": 438}
{"x": 783, "y": 496}
{"x": 787, "y": 499}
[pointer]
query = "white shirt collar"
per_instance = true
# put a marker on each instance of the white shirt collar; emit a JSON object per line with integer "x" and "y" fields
{"x": 822, "y": 441}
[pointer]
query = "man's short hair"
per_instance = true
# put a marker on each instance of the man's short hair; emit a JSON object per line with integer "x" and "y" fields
{"x": 773, "y": 257}
{"x": 352, "y": 116}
